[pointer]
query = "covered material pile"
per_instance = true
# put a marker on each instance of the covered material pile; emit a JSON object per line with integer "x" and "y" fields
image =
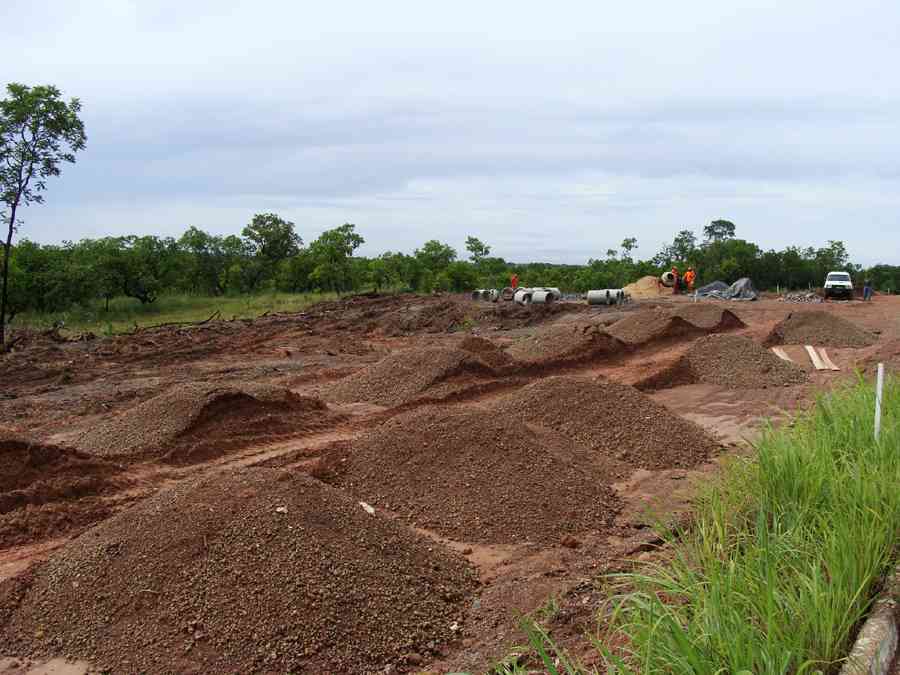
{"x": 406, "y": 376}
{"x": 614, "y": 420}
{"x": 254, "y": 570}
{"x": 473, "y": 475}
{"x": 742, "y": 289}
{"x": 732, "y": 361}
{"x": 194, "y": 421}
{"x": 820, "y": 329}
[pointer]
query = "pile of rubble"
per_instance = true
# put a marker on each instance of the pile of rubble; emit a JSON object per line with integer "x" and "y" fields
{"x": 807, "y": 298}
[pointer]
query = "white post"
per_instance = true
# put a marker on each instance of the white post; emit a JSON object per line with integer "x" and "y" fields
{"x": 879, "y": 386}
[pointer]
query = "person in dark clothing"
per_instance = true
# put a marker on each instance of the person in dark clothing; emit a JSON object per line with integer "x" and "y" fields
{"x": 867, "y": 290}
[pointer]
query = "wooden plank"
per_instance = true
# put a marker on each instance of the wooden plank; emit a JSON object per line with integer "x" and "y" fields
{"x": 814, "y": 357}
{"x": 827, "y": 359}
{"x": 781, "y": 354}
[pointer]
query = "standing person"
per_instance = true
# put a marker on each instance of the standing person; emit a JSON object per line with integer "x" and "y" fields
{"x": 689, "y": 277}
{"x": 514, "y": 281}
{"x": 677, "y": 281}
{"x": 867, "y": 290}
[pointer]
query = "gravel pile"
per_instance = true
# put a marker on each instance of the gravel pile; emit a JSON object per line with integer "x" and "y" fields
{"x": 405, "y": 376}
{"x": 192, "y": 422}
{"x": 47, "y": 490}
{"x": 820, "y": 329}
{"x": 255, "y": 570}
{"x": 646, "y": 287}
{"x": 732, "y": 361}
{"x": 567, "y": 341}
{"x": 610, "y": 418}
{"x": 803, "y": 298}
{"x": 659, "y": 324}
{"x": 475, "y": 476}
{"x": 486, "y": 351}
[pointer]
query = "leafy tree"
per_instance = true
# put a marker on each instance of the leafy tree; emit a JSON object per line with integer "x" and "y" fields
{"x": 478, "y": 250}
{"x": 435, "y": 256}
{"x": 719, "y": 230}
{"x": 628, "y": 245}
{"x": 272, "y": 238}
{"x": 206, "y": 262}
{"x": 38, "y": 132}
{"x": 332, "y": 253}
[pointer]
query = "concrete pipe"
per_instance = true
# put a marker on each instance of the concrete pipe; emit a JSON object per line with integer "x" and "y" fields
{"x": 600, "y": 297}
{"x": 667, "y": 279}
{"x": 486, "y": 294}
{"x": 494, "y": 295}
{"x": 543, "y": 297}
{"x": 523, "y": 296}
{"x": 508, "y": 294}
{"x": 476, "y": 295}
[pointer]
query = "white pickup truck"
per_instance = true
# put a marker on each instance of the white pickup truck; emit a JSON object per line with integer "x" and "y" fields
{"x": 838, "y": 285}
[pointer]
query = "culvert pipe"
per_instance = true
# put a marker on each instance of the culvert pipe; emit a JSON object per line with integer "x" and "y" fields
{"x": 476, "y": 295}
{"x": 523, "y": 296}
{"x": 545, "y": 297}
{"x": 605, "y": 296}
{"x": 494, "y": 295}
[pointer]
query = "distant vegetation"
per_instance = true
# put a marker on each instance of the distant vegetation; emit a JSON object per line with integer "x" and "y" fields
{"x": 269, "y": 256}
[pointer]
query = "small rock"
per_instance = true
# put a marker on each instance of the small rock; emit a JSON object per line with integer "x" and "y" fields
{"x": 570, "y": 542}
{"x": 281, "y": 509}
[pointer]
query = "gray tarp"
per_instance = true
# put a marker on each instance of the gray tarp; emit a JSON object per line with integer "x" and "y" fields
{"x": 742, "y": 289}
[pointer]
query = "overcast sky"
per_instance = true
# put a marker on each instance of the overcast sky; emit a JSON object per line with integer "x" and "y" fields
{"x": 551, "y": 130}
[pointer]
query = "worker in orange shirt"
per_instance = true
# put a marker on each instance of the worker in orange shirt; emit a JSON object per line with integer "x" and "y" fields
{"x": 689, "y": 278}
{"x": 514, "y": 281}
{"x": 676, "y": 280}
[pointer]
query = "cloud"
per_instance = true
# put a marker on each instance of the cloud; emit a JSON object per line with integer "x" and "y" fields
{"x": 548, "y": 131}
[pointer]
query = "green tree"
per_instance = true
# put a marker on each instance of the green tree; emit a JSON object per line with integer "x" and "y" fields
{"x": 477, "y": 249}
{"x": 332, "y": 253}
{"x": 39, "y": 131}
{"x": 435, "y": 256}
{"x": 269, "y": 239}
{"x": 719, "y": 230}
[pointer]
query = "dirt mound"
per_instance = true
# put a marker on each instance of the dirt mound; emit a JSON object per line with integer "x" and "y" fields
{"x": 567, "y": 342}
{"x": 486, "y": 351}
{"x": 424, "y": 317}
{"x": 611, "y": 418}
{"x": 888, "y": 354}
{"x": 646, "y": 287}
{"x": 732, "y": 361}
{"x": 820, "y": 329}
{"x": 406, "y": 376}
{"x": 709, "y": 317}
{"x": 47, "y": 490}
{"x": 255, "y": 570}
{"x": 193, "y": 422}
{"x": 475, "y": 476}
{"x": 661, "y": 324}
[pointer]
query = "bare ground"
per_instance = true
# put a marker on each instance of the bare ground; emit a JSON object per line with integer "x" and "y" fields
{"x": 54, "y": 393}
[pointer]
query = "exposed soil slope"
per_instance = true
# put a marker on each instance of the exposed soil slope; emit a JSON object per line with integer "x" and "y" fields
{"x": 254, "y": 570}
{"x": 197, "y": 421}
{"x": 475, "y": 476}
{"x": 821, "y": 329}
{"x": 686, "y": 322}
{"x": 611, "y": 418}
{"x": 567, "y": 342}
{"x": 405, "y": 376}
{"x": 48, "y": 490}
{"x": 732, "y": 361}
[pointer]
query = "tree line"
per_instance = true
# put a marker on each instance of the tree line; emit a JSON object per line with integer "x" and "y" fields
{"x": 269, "y": 254}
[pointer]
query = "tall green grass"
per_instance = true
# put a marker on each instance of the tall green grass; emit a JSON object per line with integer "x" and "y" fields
{"x": 785, "y": 554}
{"x": 125, "y": 313}
{"x": 781, "y": 563}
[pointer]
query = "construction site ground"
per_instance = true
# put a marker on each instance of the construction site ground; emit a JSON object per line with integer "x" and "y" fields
{"x": 427, "y": 410}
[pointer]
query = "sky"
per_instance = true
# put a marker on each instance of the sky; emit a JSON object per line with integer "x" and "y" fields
{"x": 550, "y": 130}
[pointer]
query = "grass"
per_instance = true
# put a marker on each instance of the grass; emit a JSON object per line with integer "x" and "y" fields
{"x": 125, "y": 313}
{"x": 783, "y": 559}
